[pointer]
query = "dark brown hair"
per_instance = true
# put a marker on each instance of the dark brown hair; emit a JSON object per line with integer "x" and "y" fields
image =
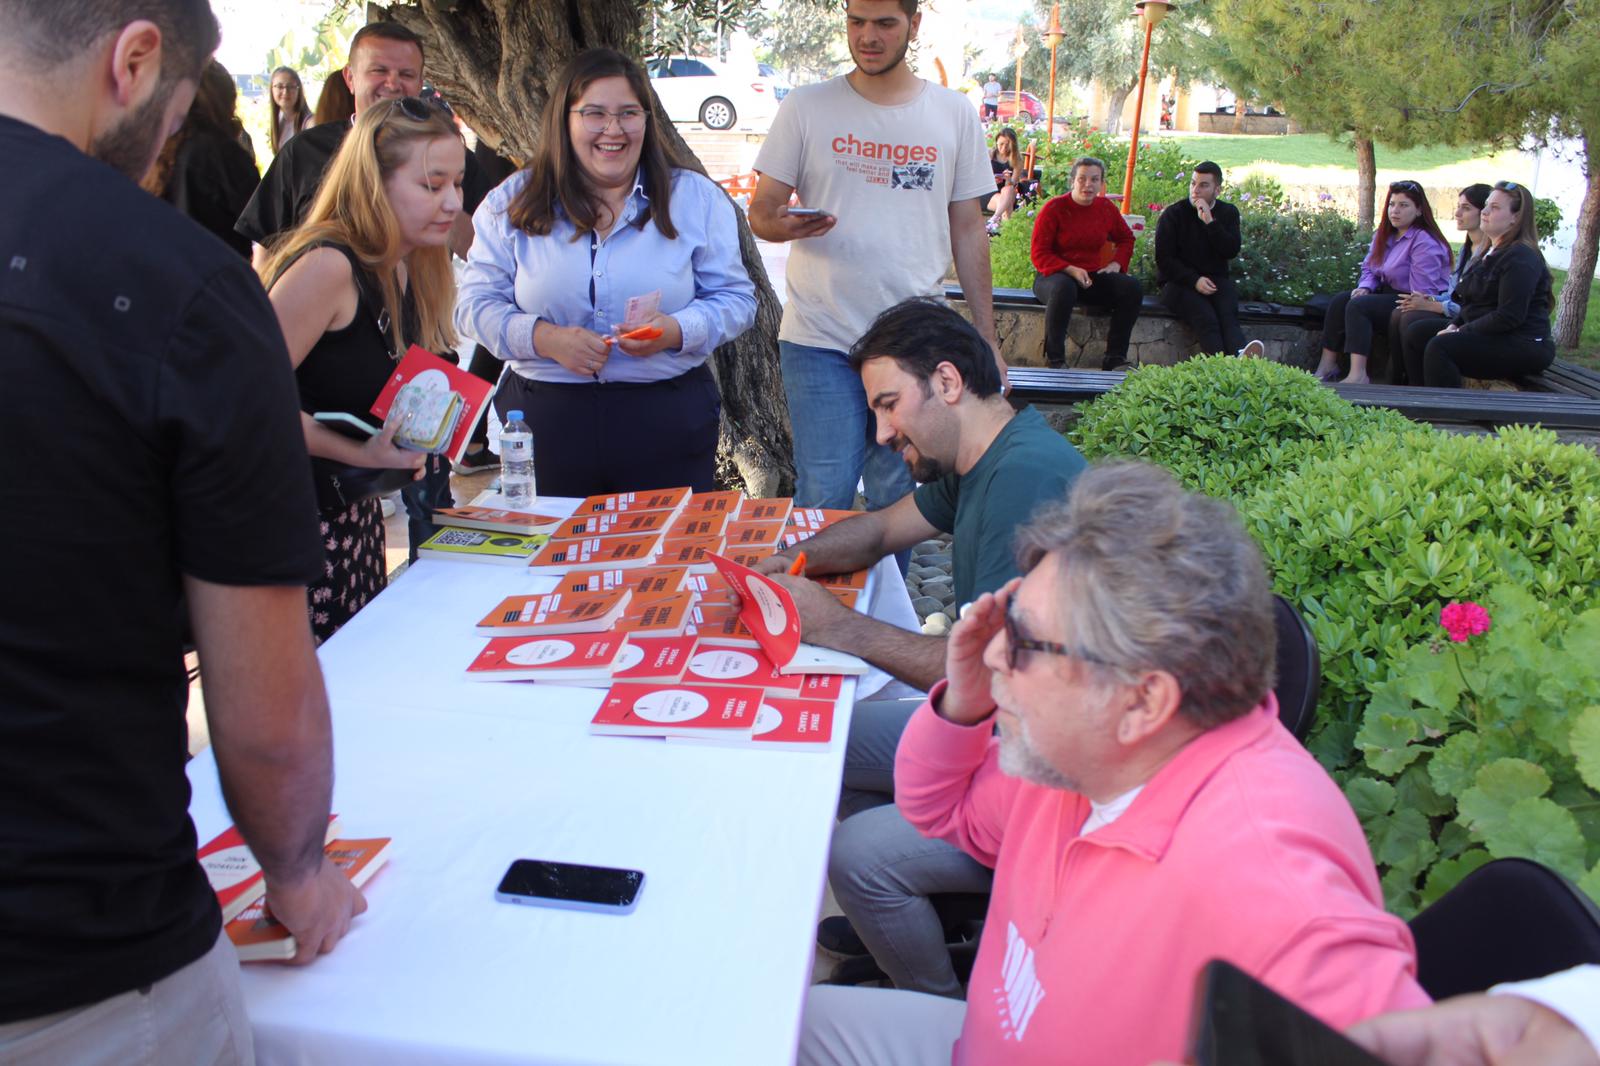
{"x": 389, "y": 31}
{"x": 1412, "y": 191}
{"x": 1527, "y": 231}
{"x": 554, "y": 177}
{"x": 211, "y": 112}
{"x": 50, "y": 34}
{"x": 336, "y": 103}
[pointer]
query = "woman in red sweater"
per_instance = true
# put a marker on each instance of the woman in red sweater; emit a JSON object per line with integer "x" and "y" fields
{"x": 1069, "y": 239}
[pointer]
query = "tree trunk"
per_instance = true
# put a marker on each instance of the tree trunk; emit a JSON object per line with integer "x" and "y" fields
{"x": 1574, "y": 303}
{"x": 1366, "y": 184}
{"x": 1238, "y": 113}
{"x": 1115, "y": 103}
{"x": 495, "y": 61}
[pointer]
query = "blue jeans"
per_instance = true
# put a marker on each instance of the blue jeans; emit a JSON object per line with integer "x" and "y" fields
{"x": 834, "y": 445}
{"x": 423, "y": 497}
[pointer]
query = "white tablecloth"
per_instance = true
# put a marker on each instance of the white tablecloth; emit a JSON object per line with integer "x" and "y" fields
{"x": 467, "y": 776}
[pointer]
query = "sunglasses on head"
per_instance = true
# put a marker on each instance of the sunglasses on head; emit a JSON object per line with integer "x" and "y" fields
{"x": 419, "y": 108}
{"x": 1404, "y": 186}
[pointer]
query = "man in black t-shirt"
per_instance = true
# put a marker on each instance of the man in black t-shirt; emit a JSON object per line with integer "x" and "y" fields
{"x": 142, "y": 353}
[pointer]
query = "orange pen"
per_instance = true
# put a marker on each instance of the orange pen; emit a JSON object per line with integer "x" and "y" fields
{"x": 799, "y": 566}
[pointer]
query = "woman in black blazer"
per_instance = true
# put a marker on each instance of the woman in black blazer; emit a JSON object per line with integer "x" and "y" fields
{"x": 1502, "y": 329}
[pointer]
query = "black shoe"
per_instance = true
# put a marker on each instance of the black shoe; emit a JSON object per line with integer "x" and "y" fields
{"x": 1121, "y": 367}
{"x": 477, "y": 462}
{"x": 837, "y": 938}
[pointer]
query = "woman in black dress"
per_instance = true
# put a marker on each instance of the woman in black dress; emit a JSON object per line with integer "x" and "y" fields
{"x": 364, "y": 277}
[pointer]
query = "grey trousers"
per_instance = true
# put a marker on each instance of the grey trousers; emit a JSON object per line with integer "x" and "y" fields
{"x": 883, "y": 870}
{"x": 195, "y": 1016}
{"x": 877, "y": 1027}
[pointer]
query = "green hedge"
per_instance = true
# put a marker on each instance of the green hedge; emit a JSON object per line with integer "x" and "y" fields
{"x": 1371, "y": 525}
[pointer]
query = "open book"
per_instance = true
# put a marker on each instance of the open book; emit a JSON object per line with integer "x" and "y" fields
{"x": 768, "y": 611}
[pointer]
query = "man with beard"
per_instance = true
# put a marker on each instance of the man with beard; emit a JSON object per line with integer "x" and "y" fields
{"x": 153, "y": 347}
{"x": 1143, "y": 807}
{"x": 931, "y": 379}
{"x": 897, "y": 168}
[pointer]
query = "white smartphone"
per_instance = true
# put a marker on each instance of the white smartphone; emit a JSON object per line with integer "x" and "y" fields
{"x": 571, "y": 886}
{"x": 344, "y": 418}
{"x": 806, "y": 212}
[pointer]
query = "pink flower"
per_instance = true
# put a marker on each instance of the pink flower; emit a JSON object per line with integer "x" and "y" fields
{"x": 1464, "y": 620}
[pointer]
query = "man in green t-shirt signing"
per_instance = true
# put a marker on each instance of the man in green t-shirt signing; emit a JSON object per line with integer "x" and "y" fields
{"x": 932, "y": 384}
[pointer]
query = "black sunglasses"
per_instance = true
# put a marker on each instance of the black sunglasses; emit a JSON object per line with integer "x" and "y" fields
{"x": 1016, "y": 643}
{"x": 419, "y": 108}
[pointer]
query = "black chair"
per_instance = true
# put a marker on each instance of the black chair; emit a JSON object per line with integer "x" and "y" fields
{"x": 1298, "y": 683}
{"x": 1508, "y": 920}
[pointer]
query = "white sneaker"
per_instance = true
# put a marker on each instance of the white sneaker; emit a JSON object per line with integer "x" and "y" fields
{"x": 1253, "y": 350}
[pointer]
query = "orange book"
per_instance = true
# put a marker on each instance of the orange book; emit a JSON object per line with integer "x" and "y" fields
{"x": 816, "y": 519}
{"x": 846, "y": 596}
{"x": 855, "y": 579}
{"x": 656, "y": 616}
{"x": 765, "y": 533}
{"x": 672, "y": 500}
{"x": 765, "y": 510}
{"x": 554, "y": 613}
{"x": 748, "y": 557}
{"x": 652, "y": 659}
{"x": 576, "y": 659}
{"x": 691, "y": 552}
{"x": 676, "y": 710}
{"x": 688, "y": 524}
{"x": 713, "y": 503}
{"x": 259, "y": 937}
{"x": 612, "y": 524}
{"x": 720, "y": 620}
{"x": 495, "y": 520}
{"x": 644, "y": 581}
{"x": 618, "y": 553}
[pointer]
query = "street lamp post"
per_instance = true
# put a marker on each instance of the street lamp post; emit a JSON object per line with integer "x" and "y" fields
{"x": 1150, "y": 12}
{"x": 1052, "y": 37}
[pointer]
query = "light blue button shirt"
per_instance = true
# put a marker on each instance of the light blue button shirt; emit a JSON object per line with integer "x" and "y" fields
{"x": 512, "y": 280}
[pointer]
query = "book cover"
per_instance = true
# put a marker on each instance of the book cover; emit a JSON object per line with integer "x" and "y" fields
{"x": 816, "y": 519}
{"x": 612, "y": 524}
{"x": 765, "y": 510}
{"x": 712, "y": 663}
{"x": 643, "y": 581}
{"x": 673, "y": 500}
{"x": 481, "y": 546}
{"x": 821, "y": 686}
{"x": 553, "y": 613}
{"x": 616, "y": 553}
{"x": 258, "y": 937}
{"x": 796, "y": 724}
{"x": 704, "y": 503}
{"x": 576, "y": 659}
{"x": 495, "y": 519}
{"x": 654, "y": 659}
{"x": 677, "y": 710}
{"x": 689, "y": 525}
{"x": 425, "y": 377}
{"x": 719, "y": 619}
{"x": 769, "y": 613}
{"x": 693, "y": 553}
{"x": 235, "y": 876}
{"x": 855, "y": 579}
{"x": 765, "y": 533}
{"x": 656, "y": 616}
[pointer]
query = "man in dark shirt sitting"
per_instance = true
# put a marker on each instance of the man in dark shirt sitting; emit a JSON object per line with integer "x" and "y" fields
{"x": 142, "y": 353}
{"x": 1195, "y": 239}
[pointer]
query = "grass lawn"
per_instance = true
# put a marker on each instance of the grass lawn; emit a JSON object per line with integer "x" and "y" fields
{"x": 1588, "y": 351}
{"x": 1311, "y": 159}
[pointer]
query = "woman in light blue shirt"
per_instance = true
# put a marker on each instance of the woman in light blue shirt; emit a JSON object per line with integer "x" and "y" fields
{"x": 603, "y": 234}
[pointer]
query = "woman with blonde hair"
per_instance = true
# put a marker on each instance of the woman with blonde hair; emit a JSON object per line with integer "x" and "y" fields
{"x": 366, "y": 275}
{"x": 290, "y": 112}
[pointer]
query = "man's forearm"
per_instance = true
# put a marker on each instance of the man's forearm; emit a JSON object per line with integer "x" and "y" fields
{"x": 268, "y": 715}
{"x": 844, "y": 547}
{"x": 914, "y": 658}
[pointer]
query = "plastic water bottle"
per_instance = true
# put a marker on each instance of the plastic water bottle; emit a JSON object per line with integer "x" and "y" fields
{"x": 516, "y": 463}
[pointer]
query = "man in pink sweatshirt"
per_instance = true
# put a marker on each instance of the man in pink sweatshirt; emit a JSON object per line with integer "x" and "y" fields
{"x": 1142, "y": 806}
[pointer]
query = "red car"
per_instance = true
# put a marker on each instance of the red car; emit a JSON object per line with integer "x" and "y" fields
{"x": 1031, "y": 106}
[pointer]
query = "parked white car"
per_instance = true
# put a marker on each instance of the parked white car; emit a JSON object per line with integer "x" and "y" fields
{"x": 721, "y": 96}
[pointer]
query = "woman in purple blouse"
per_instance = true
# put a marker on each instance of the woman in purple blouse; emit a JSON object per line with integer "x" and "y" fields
{"x": 1408, "y": 254}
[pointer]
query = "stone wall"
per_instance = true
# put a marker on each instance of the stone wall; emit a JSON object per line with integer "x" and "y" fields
{"x": 1157, "y": 337}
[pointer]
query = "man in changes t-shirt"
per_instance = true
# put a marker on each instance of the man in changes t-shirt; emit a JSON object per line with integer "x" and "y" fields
{"x": 896, "y": 167}
{"x": 152, "y": 345}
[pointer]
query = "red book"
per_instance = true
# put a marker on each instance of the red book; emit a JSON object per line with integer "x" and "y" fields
{"x": 257, "y": 936}
{"x": 821, "y": 686}
{"x": 495, "y": 520}
{"x": 712, "y": 663}
{"x": 804, "y": 725}
{"x": 676, "y": 710}
{"x": 769, "y": 613}
{"x": 652, "y": 659}
{"x": 576, "y": 659}
{"x": 422, "y": 370}
{"x": 552, "y": 613}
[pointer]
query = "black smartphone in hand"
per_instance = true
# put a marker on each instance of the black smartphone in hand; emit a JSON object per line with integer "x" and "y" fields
{"x": 1238, "y": 1021}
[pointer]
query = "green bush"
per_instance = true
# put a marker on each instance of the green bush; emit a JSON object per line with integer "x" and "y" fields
{"x": 1258, "y": 191}
{"x": 1009, "y": 262}
{"x": 1371, "y": 541}
{"x": 1546, "y": 218}
{"x": 1287, "y": 255}
{"x": 1225, "y": 425}
{"x": 1485, "y": 748}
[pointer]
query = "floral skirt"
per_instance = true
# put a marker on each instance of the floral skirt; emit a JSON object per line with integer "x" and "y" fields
{"x": 353, "y": 566}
